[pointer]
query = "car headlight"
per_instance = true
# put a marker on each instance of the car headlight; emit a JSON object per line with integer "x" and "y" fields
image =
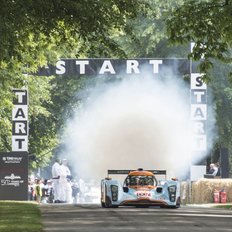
{"x": 172, "y": 189}
{"x": 114, "y": 188}
{"x": 114, "y": 192}
{"x": 172, "y": 193}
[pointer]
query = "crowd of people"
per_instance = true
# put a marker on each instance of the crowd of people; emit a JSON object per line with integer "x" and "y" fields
{"x": 61, "y": 188}
{"x": 40, "y": 190}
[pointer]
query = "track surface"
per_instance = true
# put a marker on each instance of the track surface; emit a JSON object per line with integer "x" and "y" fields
{"x": 61, "y": 217}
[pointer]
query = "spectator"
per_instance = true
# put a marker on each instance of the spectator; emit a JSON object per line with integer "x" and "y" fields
{"x": 65, "y": 183}
{"x": 55, "y": 176}
{"x": 213, "y": 169}
{"x": 38, "y": 190}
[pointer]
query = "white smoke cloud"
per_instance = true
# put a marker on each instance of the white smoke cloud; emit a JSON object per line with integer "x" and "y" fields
{"x": 138, "y": 122}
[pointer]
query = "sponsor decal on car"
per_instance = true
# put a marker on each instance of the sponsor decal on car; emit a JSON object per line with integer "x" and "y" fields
{"x": 143, "y": 194}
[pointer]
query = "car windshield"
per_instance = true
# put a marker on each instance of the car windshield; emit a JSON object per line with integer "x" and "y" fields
{"x": 140, "y": 180}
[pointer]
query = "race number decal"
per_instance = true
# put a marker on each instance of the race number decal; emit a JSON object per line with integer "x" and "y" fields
{"x": 143, "y": 194}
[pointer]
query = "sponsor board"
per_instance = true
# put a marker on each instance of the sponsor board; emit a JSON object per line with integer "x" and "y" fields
{"x": 13, "y": 176}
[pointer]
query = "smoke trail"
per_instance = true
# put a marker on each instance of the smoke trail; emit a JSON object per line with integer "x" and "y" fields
{"x": 138, "y": 122}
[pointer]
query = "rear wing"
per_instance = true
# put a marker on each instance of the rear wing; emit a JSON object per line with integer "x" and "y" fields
{"x": 126, "y": 172}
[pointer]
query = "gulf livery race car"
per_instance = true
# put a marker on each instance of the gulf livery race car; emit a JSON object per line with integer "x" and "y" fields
{"x": 140, "y": 188}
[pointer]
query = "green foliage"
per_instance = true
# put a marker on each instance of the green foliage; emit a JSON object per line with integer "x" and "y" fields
{"x": 221, "y": 92}
{"x": 35, "y": 27}
{"x": 227, "y": 206}
{"x": 35, "y": 33}
{"x": 145, "y": 36}
{"x": 208, "y": 24}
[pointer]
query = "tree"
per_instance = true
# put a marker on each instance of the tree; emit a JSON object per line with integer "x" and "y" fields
{"x": 208, "y": 23}
{"x": 145, "y": 36}
{"x": 221, "y": 89}
{"x": 35, "y": 33}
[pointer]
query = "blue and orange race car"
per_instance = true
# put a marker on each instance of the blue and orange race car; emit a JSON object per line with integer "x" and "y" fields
{"x": 140, "y": 188}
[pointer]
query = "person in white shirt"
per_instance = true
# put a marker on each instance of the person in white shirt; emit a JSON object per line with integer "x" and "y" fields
{"x": 213, "y": 169}
{"x": 55, "y": 179}
{"x": 65, "y": 183}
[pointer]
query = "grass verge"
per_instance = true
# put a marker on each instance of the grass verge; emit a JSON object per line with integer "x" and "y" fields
{"x": 20, "y": 217}
{"x": 229, "y": 206}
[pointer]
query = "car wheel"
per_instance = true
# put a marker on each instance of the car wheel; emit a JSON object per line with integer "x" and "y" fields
{"x": 103, "y": 205}
{"x": 175, "y": 206}
{"x": 178, "y": 203}
{"x": 108, "y": 203}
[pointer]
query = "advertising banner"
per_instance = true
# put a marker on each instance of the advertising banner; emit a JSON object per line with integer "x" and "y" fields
{"x": 13, "y": 176}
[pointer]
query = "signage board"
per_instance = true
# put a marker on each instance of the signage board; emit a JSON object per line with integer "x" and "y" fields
{"x": 20, "y": 120}
{"x": 103, "y": 66}
{"x": 13, "y": 176}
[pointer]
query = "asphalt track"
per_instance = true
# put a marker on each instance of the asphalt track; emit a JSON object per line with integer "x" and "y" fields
{"x": 91, "y": 217}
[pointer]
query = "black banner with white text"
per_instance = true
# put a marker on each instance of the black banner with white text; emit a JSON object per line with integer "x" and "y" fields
{"x": 116, "y": 67}
{"x": 14, "y": 176}
{"x": 20, "y": 120}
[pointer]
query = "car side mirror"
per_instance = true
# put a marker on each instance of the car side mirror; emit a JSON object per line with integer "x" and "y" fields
{"x": 125, "y": 189}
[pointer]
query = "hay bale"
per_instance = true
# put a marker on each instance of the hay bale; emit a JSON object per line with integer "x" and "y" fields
{"x": 202, "y": 190}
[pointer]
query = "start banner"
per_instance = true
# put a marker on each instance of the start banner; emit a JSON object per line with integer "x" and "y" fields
{"x": 20, "y": 120}
{"x": 104, "y": 66}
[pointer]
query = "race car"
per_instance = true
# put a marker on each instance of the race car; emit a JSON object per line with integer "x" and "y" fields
{"x": 141, "y": 189}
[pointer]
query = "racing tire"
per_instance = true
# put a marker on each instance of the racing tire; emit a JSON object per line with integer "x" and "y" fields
{"x": 103, "y": 205}
{"x": 175, "y": 206}
{"x": 108, "y": 203}
{"x": 178, "y": 203}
